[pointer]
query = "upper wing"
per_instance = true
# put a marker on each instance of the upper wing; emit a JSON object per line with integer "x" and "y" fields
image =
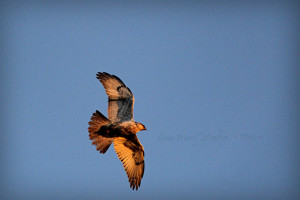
{"x": 131, "y": 152}
{"x": 120, "y": 98}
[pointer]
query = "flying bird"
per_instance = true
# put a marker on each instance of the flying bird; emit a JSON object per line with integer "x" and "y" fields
{"x": 119, "y": 129}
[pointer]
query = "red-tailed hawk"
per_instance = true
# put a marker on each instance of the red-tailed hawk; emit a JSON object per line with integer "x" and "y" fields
{"x": 120, "y": 128}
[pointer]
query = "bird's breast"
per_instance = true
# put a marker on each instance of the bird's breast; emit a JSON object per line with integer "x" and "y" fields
{"x": 124, "y": 128}
{"x": 133, "y": 129}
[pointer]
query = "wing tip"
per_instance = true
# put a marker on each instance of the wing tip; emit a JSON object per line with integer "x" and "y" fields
{"x": 105, "y": 76}
{"x": 135, "y": 184}
{"x": 102, "y": 75}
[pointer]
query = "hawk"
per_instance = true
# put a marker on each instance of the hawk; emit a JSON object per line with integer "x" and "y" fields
{"x": 119, "y": 129}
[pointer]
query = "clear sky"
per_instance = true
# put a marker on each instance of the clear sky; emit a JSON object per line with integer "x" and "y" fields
{"x": 217, "y": 86}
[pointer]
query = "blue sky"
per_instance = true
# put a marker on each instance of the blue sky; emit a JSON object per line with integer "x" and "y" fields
{"x": 215, "y": 84}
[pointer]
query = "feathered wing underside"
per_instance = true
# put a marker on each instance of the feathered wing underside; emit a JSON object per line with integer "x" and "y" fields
{"x": 101, "y": 143}
{"x": 131, "y": 153}
{"x": 120, "y": 98}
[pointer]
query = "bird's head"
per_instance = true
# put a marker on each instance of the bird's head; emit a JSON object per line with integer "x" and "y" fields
{"x": 140, "y": 126}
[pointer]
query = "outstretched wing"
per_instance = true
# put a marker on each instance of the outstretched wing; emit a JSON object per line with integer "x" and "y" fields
{"x": 120, "y": 98}
{"x": 131, "y": 152}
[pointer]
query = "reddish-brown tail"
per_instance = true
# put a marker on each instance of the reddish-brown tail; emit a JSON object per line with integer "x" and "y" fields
{"x": 97, "y": 121}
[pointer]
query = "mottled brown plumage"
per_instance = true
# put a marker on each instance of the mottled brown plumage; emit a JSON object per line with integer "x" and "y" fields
{"x": 120, "y": 128}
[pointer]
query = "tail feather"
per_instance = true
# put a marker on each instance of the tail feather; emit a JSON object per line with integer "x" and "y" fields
{"x": 97, "y": 121}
